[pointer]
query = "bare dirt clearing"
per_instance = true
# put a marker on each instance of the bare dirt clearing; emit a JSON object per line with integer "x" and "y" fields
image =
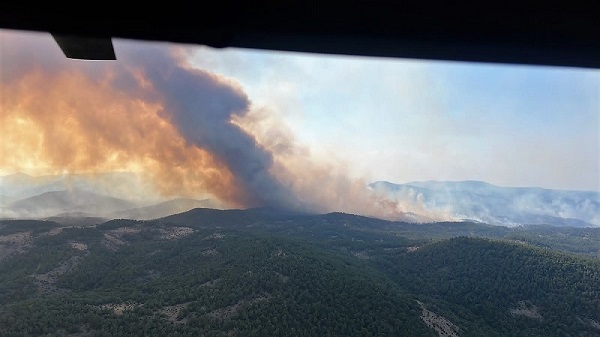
{"x": 176, "y": 233}
{"x": 526, "y": 309}
{"x": 14, "y": 243}
{"x": 114, "y": 239}
{"x": 440, "y": 324}
{"x": 46, "y": 282}
{"x": 172, "y": 312}
{"x": 119, "y": 308}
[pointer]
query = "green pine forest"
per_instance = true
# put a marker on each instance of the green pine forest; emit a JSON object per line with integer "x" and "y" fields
{"x": 266, "y": 272}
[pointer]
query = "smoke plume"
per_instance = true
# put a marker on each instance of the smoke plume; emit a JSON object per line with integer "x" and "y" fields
{"x": 187, "y": 131}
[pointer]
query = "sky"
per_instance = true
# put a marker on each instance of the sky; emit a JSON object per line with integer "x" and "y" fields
{"x": 511, "y": 125}
{"x": 304, "y": 131}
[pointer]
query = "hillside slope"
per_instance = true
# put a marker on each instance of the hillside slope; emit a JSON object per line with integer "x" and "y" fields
{"x": 266, "y": 272}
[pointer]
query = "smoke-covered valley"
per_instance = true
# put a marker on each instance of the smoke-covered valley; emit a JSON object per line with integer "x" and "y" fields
{"x": 508, "y": 206}
{"x": 109, "y": 196}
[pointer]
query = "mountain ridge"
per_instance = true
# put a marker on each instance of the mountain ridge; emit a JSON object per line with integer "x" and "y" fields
{"x": 485, "y": 202}
{"x": 468, "y": 200}
{"x": 53, "y": 203}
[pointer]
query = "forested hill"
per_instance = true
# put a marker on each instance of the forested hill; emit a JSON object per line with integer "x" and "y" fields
{"x": 489, "y": 284}
{"x": 264, "y": 272}
{"x": 584, "y": 241}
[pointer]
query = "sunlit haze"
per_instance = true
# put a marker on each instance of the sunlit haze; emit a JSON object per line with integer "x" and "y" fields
{"x": 310, "y": 132}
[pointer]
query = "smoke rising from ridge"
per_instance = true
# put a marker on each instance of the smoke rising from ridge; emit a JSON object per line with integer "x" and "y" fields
{"x": 189, "y": 132}
{"x": 201, "y": 106}
{"x": 325, "y": 185}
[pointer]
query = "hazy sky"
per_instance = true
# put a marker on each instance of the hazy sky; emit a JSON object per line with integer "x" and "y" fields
{"x": 256, "y": 127}
{"x": 406, "y": 120}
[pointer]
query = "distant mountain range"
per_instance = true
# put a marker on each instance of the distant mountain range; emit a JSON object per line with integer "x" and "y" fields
{"x": 95, "y": 196}
{"x": 164, "y": 209}
{"x": 72, "y": 201}
{"x": 83, "y": 204}
{"x": 20, "y": 185}
{"x": 483, "y": 202}
{"x": 123, "y": 195}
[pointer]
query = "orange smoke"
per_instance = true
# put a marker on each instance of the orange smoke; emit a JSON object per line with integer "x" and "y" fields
{"x": 63, "y": 121}
{"x": 186, "y": 131}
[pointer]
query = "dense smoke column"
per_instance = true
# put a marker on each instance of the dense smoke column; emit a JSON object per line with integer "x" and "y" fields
{"x": 201, "y": 106}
